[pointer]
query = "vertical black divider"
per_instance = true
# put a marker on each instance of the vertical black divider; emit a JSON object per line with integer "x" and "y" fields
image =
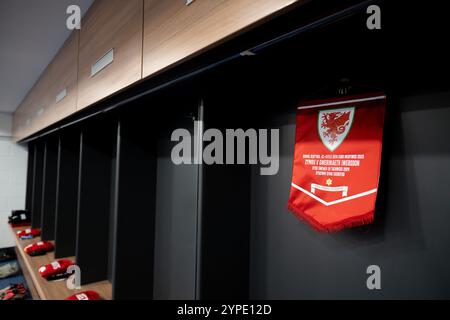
{"x": 135, "y": 197}
{"x": 67, "y": 194}
{"x": 49, "y": 189}
{"x": 199, "y": 232}
{"x": 38, "y": 184}
{"x": 176, "y": 225}
{"x": 97, "y": 158}
{"x": 30, "y": 178}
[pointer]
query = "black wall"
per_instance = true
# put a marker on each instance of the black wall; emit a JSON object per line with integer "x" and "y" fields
{"x": 409, "y": 239}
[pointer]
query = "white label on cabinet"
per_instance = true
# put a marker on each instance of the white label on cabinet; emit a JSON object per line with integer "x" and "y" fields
{"x": 61, "y": 95}
{"x": 102, "y": 63}
{"x": 40, "y": 112}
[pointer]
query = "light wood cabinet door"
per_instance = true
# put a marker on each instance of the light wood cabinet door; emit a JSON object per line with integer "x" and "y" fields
{"x": 174, "y": 32}
{"x": 110, "y": 51}
{"x": 18, "y": 126}
{"x": 63, "y": 81}
{"x": 54, "y": 95}
{"x": 40, "y": 102}
{"x": 30, "y": 117}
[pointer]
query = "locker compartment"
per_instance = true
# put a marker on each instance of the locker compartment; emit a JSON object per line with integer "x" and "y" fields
{"x": 134, "y": 208}
{"x": 95, "y": 225}
{"x": 176, "y": 219}
{"x": 67, "y": 193}
{"x": 155, "y": 201}
{"x": 286, "y": 258}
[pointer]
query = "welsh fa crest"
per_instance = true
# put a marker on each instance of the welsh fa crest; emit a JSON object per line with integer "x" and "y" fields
{"x": 334, "y": 125}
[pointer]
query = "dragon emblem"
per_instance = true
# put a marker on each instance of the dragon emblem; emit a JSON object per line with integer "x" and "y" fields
{"x": 334, "y": 126}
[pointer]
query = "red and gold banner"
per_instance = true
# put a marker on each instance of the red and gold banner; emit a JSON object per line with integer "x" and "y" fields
{"x": 337, "y": 161}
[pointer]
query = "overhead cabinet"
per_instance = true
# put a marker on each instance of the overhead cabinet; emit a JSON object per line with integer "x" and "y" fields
{"x": 121, "y": 42}
{"x": 53, "y": 97}
{"x": 18, "y": 125}
{"x": 63, "y": 88}
{"x": 110, "y": 51}
{"x": 36, "y": 105}
{"x": 171, "y": 26}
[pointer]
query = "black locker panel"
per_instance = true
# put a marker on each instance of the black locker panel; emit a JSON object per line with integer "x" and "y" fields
{"x": 135, "y": 209}
{"x": 225, "y": 233}
{"x": 30, "y": 178}
{"x": 38, "y": 183}
{"x": 176, "y": 221}
{"x": 226, "y": 190}
{"x": 49, "y": 189}
{"x": 67, "y": 194}
{"x": 97, "y": 158}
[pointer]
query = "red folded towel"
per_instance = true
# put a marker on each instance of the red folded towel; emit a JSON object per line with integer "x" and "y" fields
{"x": 28, "y": 234}
{"x": 39, "y": 248}
{"x": 55, "y": 270}
{"x": 86, "y": 295}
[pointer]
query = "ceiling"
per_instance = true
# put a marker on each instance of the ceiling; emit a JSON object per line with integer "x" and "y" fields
{"x": 31, "y": 33}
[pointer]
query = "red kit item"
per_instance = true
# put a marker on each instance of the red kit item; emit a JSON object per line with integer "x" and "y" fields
{"x": 19, "y": 218}
{"x": 337, "y": 161}
{"x": 13, "y": 292}
{"x": 39, "y": 248}
{"x": 55, "y": 270}
{"x": 86, "y": 295}
{"x": 28, "y": 234}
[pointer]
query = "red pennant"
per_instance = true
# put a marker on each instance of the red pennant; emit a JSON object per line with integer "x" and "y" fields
{"x": 337, "y": 161}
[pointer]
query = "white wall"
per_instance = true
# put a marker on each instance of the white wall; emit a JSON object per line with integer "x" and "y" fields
{"x": 5, "y": 124}
{"x": 13, "y": 173}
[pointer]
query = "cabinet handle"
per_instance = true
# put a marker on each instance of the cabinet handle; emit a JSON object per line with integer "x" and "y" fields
{"x": 61, "y": 95}
{"x": 103, "y": 62}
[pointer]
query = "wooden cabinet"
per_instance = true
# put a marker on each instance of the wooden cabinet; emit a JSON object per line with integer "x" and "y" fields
{"x": 30, "y": 117}
{"x": 54, "y": 95}
{"x": 122, "y": 41}
{"x": 110, "y": 51}
{"x": 63, "y": 87}
{"x": 41, "y": 101}
{"x": 174, "y": 32}
{"x": 18, "y": 128}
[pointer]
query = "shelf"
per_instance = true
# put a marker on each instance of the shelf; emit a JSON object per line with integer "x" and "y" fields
{"x": 44, "y": 290}
{"x": 26, "y": 274}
